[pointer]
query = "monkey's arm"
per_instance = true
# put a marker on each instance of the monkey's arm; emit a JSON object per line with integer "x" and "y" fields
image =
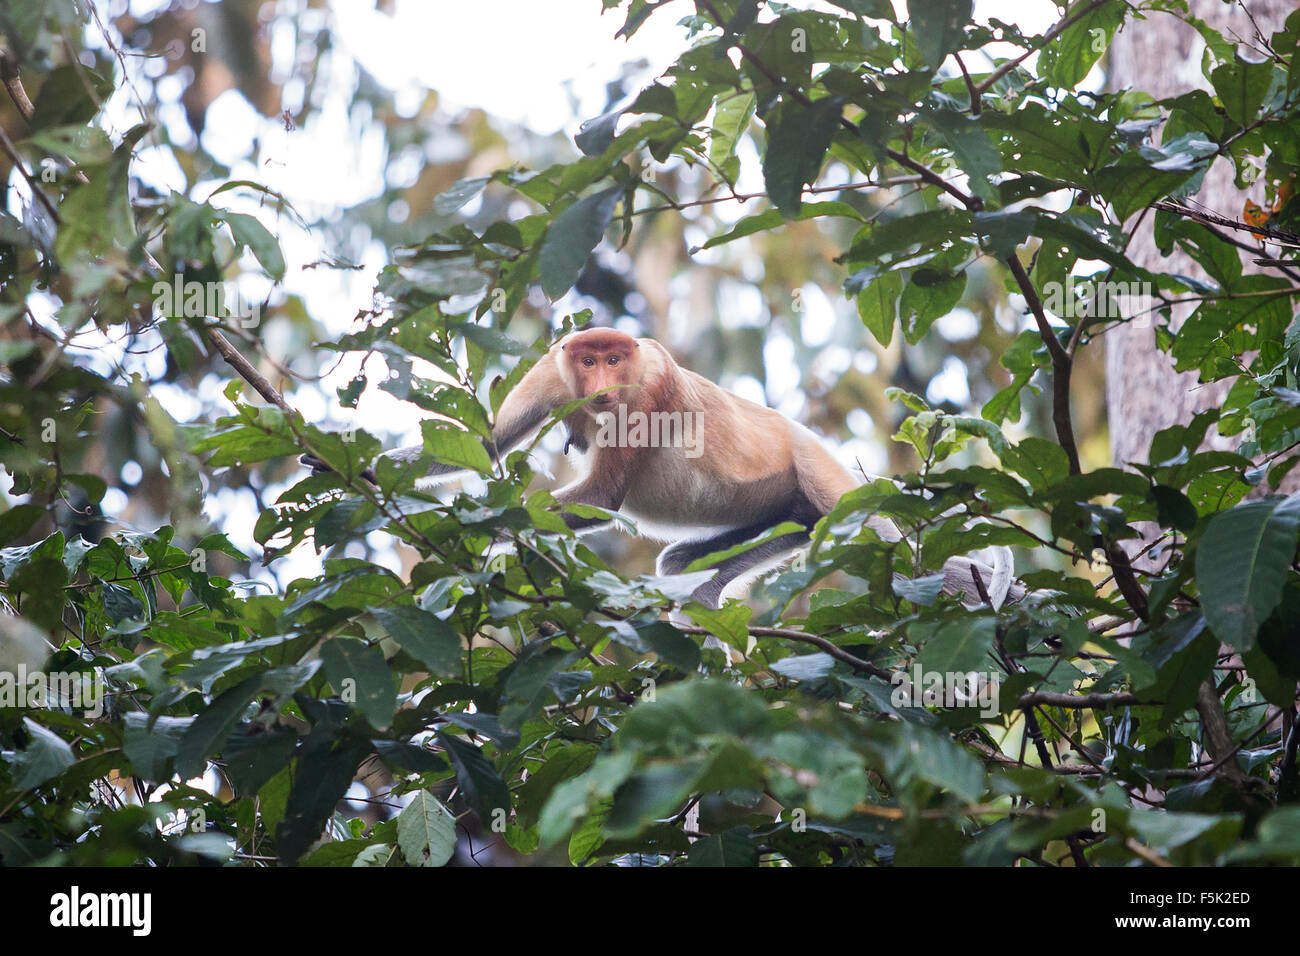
{"x": 605, "y": 487}
{"x": 538, "y": 393}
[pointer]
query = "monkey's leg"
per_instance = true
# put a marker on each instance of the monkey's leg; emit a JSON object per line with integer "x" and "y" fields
{"x": 677, "y": 557}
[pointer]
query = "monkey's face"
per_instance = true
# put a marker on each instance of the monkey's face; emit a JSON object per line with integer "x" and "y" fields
{"x": 594, "y": 370}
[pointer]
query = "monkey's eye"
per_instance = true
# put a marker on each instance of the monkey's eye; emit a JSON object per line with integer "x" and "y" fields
{"x": 589, "y": 361}
{"x": 613, "y": 360}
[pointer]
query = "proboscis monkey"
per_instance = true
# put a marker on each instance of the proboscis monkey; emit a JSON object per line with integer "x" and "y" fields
{"x": 691, "y": 463}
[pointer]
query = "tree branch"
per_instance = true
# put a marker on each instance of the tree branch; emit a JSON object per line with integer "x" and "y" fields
{"x": 1061, "y": 364}
{"x": 1281, "y": 236}
{"x": 246, "y": 371}
{"x": 1080, "y": 701}
{"x": 1218, "y": 739}
{"x": 857, "y": 663}
{"x": 9, "y": 76}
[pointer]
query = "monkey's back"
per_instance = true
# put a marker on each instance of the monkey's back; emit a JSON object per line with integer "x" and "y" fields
{"x": 755, "y": 464}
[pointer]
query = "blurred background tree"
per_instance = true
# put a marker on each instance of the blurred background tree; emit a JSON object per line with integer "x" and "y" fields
{"x": 331, "y": 106}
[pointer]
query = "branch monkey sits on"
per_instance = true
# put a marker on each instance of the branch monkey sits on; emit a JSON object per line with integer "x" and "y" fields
{"x": 691, "y": 463}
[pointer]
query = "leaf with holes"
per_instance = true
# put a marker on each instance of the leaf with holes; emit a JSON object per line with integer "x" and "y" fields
{"x": 426, "y": 831}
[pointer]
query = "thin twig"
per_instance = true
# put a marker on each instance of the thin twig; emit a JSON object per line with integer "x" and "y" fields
{"x": 1045, "y": 39}
{"x": 1061, "y": 364}
{"x": 838, "y": 653}
{"x": 1281, "y": 236}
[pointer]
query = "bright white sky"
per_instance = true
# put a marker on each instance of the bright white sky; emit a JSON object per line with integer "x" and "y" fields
{"x": 474, "y": 53}
{"x": 521, "y": 60}
{"x": 542, "y": 63}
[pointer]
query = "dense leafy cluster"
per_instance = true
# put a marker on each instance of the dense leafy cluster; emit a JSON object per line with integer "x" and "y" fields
{"x": 510, "y": 687}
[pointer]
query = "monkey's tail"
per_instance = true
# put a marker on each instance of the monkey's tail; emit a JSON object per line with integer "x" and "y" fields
{"x": 824, "y": 481}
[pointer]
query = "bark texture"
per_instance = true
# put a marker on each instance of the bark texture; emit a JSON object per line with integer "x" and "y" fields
{"x": 1162, "y": 56}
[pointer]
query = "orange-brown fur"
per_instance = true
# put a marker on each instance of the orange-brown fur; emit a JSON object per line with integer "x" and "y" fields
{"x": 755, "y": 468}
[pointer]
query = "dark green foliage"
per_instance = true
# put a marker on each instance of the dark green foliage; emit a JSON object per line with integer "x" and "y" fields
{"x": 510, "y": 675}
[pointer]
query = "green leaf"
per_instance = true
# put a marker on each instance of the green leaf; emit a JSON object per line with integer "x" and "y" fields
{"x": 1041, "y": 462}
{"x": 971, "y": 147}
{"x": 733, "y": 848}
{"x": 922, "y": 591}
{"x": 81, "y": 144}
{"x": 911, "y": 753}
{"x": 1173, "y": 509}
{"x": 459, "y": 194}
{"x": 878, "y": 305}
{"x": 427, "y": 638}
{"x": 1067, "y": 61}
{"x": 671, "y": 645}
{"x": 596, "y": 134}
{"x": 1242, "y": 562}
{"x": 959, "y": 646}
{"x": 40, "y": 582}
{"x": 46, "y": 756}
{"x": 938, "y": 27}
{"x": 18, "y": 520}
{"x": 256, "y": 755}
{"x": 1133, "y": 183}
{"x": 426, "y": 831}
{"x": 211, "y": 727}
{"x": 323, "y": 772}
{"x": 731, "y": 117}
{"x": 1279, "y": 636}
{"x": 149, "y": 747}
{"x": 340, "y": 853}
{"x": 796, "y": 146}
{"x": 361, "y": 676}
{"x": 70, "y": 96}
{"x": 729, "y": 624}
{"x": 489, "y": 339}
{"x": 1162, "y": 829}
{"x": 482, "y": 786}
{"x": 926, "y": 298}
{"x": 587, "y": 839}
{"x": 877, "y": 9}
{"x": 249, "y": 231}
{"x": 772, "y": 219}
{"x": 1241, "y": 87}
{"x": 98, "y": 215}
{"x": 921, "y": 231}
{"x": 805, "y": 667}
{"x": 454, "y": 446}
{"x": 1278, "y": 838}
{"x": 571, "y": 238}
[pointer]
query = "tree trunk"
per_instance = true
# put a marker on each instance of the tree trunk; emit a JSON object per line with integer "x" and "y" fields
{"x": 1144, "y": 394}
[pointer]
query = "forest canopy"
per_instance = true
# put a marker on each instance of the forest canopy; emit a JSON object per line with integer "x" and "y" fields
{"x": 907, "y": 228}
